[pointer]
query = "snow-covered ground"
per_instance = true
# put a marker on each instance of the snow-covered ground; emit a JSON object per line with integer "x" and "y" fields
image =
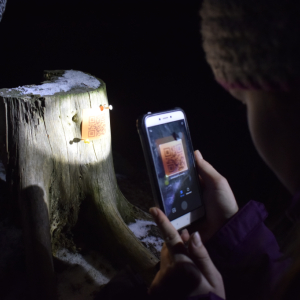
{"x": 2, "y": 172}
{"x": 82, "y": 276}
{"x": 141, "y": 230}
{"x": 87, "y": 273}
{"x": 2, "y": 8}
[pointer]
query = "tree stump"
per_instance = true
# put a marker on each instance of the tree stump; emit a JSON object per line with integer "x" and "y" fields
{"x": 52, "y": 172}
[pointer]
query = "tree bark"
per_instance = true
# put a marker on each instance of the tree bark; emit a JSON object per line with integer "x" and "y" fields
{"x": 51, "y": 172}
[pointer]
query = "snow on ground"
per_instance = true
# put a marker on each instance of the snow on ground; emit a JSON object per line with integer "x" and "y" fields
{"x": 2, "y": 8}
{"x": 80, "y": 278}
{"x": 84, "y": 276}
{"x": 70, "y": 79}
{"x": 141, "y": 230}
{"x": 2, "y": 172}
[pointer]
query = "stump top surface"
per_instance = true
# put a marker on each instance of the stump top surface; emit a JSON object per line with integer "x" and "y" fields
{"x": 58, "y": 81}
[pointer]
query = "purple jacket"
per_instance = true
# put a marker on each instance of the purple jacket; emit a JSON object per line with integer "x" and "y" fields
{"x": 247, "y": 254}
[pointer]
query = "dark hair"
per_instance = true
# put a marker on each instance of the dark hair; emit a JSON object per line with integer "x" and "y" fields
{"x": 252, "y": 44}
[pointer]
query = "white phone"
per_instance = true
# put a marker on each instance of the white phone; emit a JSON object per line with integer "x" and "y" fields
{"x": 169, "y": 155}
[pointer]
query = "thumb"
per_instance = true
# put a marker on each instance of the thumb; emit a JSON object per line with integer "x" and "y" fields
{"x": 207, "y": 172}
{"x": 202, "y": 259}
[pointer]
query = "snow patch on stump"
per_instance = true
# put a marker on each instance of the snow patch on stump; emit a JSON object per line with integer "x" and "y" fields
{"x": 70, "y": 79}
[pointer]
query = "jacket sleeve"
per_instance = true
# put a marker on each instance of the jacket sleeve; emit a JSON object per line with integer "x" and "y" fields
{"x": 247, "y": 255}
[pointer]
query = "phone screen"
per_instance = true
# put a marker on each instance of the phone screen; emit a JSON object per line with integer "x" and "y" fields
{"x": 175, "y": 171}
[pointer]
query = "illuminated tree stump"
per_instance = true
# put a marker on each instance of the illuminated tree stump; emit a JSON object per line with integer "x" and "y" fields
{"x": 52, "y": 173}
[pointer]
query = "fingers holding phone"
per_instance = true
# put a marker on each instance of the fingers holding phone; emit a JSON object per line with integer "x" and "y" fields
{"x": 170, "y": 235}
{"x": 183, "y": 272}
{"x": 219, "y": 200}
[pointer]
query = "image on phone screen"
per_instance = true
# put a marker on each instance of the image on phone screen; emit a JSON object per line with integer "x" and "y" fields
{"x": 173, "y": 161}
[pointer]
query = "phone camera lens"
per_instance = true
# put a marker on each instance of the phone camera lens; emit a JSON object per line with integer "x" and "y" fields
{"x": 159, "y": 119}
{"x": 170, "y": 116}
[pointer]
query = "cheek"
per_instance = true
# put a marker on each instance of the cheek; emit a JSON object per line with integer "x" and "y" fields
{"x": 263, "y": 132}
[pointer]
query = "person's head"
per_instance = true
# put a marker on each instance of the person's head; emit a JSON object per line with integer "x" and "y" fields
{"x": 253, "y": 49}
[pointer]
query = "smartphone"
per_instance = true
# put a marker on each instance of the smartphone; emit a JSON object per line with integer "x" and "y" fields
{"x": 169, "y": 155}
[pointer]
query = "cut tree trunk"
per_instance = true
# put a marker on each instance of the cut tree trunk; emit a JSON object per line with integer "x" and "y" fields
{"x": 51, "y": 172}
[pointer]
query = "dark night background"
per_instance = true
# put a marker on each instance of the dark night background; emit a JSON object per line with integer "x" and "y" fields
{"x": 150, "y": 56}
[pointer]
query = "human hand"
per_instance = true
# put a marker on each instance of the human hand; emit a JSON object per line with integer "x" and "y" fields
{"x": 183, "y": 271}
{"x": 219, "y": 201}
